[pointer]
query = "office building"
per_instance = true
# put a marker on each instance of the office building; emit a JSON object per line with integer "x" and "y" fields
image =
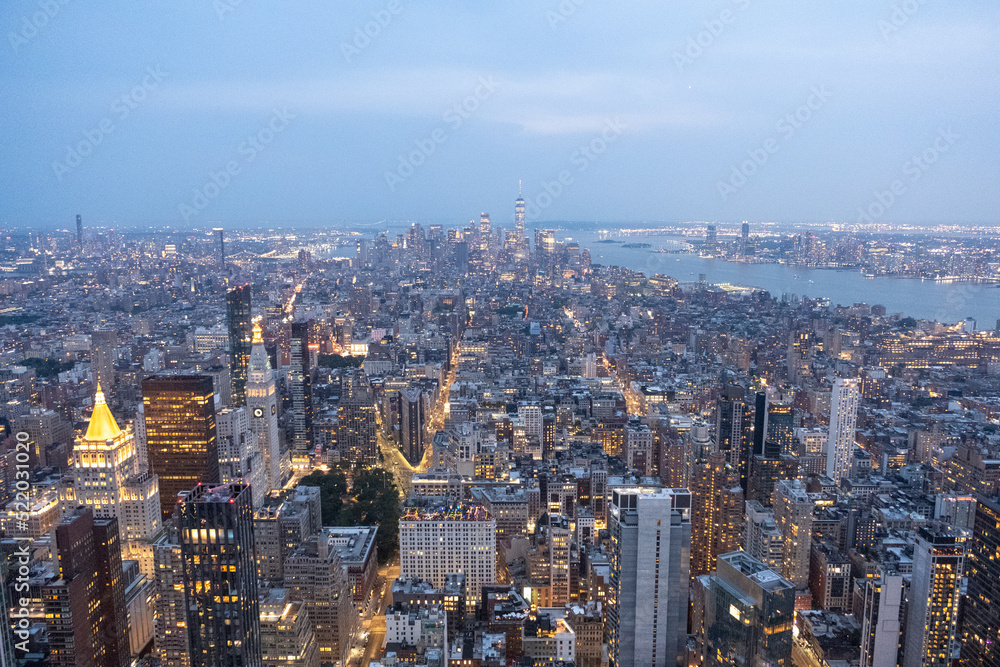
{"x": 107, "y": 477}
{"x": 262, "y": 401}
{"x": 286, "y": 636}
{"x": 85, "y": 613}
{"x": 221, "y": 240}
{"x": 171, "y": 641}
{"x": 79, "y": 232}
{"x": 843, "y": 421}
{"x": 215, "y": 526}
{"x": 981, "y": 607}
{"x": 240, "y": 460}
{"x": 881, "y": 623}
{"x": 729, "y": 413}
{"x": 411, "y": 424}
{"x": 650, "y": 532}
{"x": 433, "y": 545}
{"x": 238, "y": 318}
{"x": 793, "y": 512}
{"x": 181, "y": 438}
{"x": 762, "y": 537}
{"x": 935, "y": 589}
{"x": 749, "y": 611}
{"x": 103, "y": 352}
{"x": 300, "y": 388}
{"x": 358, "y": 434}
{"x": 716, "y": 511}
{"x": 316, "y": 576}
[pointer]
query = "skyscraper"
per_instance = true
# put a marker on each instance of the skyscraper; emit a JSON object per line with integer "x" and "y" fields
{"x": 108, "y": 479}
{"x": 647, "y": 601}
{"x": 300, "y": 386}
{"x": 932, "y": 611}
{"x": 262, "y": 401}
{"x": 749, "y": 610}
{"x": 981, "y": 612}
{"x": 880, "y": 626}
{"x": 358, "y": 435}
{"x": 793, "y": 512}
{"x": 716, "y": 511}
{"x": 238, "y": 316}
{"x": 180, "y": 433}
{"x": 412, "y": 421}
{"x": 240, "y": 461}
{"x": 85, "y": 607}
{"x": 79, "y": 232}
{"x": 102, "y": 357}
{"x": 843, "y": 421}
{"x": 729, "y": 413}
{"x": 220, "y": 237}
{"x": 215, "y": 525}
{"x": 520, "y": 240}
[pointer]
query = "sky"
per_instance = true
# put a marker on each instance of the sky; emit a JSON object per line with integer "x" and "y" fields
{"x": 193, "y": 113}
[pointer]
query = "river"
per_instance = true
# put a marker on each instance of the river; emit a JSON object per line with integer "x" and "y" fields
{"x": 922, "y": 299}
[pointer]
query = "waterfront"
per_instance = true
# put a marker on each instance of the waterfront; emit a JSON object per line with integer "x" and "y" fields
{"x": 922, "y": 299}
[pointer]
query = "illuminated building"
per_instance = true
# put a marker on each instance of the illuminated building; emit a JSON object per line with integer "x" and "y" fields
{"x": 881, "y": 624}
{"x": 262, "y": 402}
{"x": 843, "y": 420}
{"x": 358, "y": 434}
{"x": 300, "y": 387}
{"x": 935, "y": 590}
{"x": 286, "y": 636}
{"x": 108, "y": 477}
{"x": 729, "y": 414}
{"x": 433, "y": 545}
{"x": 762, "y": 538}
{"x": 180, "y": 433}
{"x": 215, "y": 526}
{"x": 830, "y": 578}
{"x": 748, "y": 614}
{"x": 240, "y": 461}
{"x": 171, "y": 641}
{"x": 793, "y": 512}
{"x": 981, "y": 610}
{"x": 716, "y": 511}
{"x": 647, "y": 601}
{"x": 85, "y": 608}
{"x": 238, "y": 317}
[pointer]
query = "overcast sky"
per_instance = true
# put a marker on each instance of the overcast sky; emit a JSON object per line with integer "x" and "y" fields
{"x": 717, "y": 110}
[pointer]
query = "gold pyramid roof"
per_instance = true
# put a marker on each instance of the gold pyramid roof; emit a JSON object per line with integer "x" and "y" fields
{"x": 102, "y": 425}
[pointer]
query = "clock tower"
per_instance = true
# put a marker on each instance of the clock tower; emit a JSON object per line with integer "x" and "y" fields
{"x": 262, "y": 401}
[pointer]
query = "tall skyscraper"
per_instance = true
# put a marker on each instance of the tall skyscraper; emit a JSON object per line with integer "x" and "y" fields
{"x": 181, "y": 439}
{"x": 880, "y": 626}
{"x": 648, "y": 600}
{"x": 745, "y": 239}
{"x": 102, "y": 357}
{"x": 411, "y": 424}
{"x": 79, "y": 232}
{"x": 171, "y": 641}
{"x": 749, "y": 612}
{"x": 716, "y": 511}
{"x": 85, "y": 608}
{"x": 220, "y": 238}
{"x": 262, "y": 401}
{"x": 793, "y": 512}
{"x": 843, "y": 421}
{"x": 520, "y": 240}
{"x": 358, "y": 434}
{"x": 7, "y": 657}
{"x": 981, "y": 612}
{"x": 729, "y": 414}
{"x": 108, "y": 478}
{"x": 215, "y": 525}
{"x": 238, "y": 316}
{"x": 932, "y": 611}
{"x": 300, "y": 385}
{"x": 240, "y": 460}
